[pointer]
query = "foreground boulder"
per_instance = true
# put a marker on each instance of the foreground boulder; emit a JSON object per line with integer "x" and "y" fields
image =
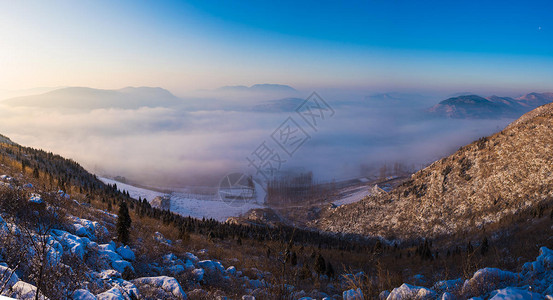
{"x": 161, "y": 287}
{"x": 407, "y": 291}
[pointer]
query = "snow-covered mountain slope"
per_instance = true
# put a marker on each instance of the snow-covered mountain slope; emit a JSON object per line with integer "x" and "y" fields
{"x": 482, "y": 183}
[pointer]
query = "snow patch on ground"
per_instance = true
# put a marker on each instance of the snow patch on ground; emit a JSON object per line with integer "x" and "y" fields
{"x": 352, "y": 195}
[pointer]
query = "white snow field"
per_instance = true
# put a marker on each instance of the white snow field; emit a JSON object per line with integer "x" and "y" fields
{"x": 134, "y": 191}
{"x": 185, "y": 205}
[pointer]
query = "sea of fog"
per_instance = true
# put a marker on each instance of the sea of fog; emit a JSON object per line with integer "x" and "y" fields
{"x": 197, "y": 143}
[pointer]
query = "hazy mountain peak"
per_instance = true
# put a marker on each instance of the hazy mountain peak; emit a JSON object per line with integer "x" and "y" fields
{"x": 467, "y": 99}
{"x": 535, "y": 99}
{"x": 92, "y": 98}
{"x": 493, "y": 107}
{"x": 264, "y": 87}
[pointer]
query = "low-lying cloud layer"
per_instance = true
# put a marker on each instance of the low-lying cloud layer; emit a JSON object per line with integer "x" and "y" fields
{"x": 185, "y": 145}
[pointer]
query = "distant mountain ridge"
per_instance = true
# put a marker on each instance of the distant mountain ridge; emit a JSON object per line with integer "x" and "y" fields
{"x": 90, "y": 98}
{"x": 265, "y": 88}
{"x": 493, "y": 107}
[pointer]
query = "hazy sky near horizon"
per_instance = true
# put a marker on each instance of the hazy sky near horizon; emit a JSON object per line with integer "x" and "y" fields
{"x": 187, "y": 45}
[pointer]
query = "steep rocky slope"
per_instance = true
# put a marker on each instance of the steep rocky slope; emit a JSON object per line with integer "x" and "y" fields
{"x": 487, "y": 181}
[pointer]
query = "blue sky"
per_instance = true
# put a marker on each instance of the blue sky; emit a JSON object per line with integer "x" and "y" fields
{"x": 186, "y": 45}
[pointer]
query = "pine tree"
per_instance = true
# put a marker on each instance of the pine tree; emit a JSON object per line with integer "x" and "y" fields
{"x": 294, "y": 259}
{"x": 123, "y": 223}
{"x": 485, "y": 246}
{"x": 305, "y": 273}
{"x": 320, "y": 265}
{"x": 35, "y": 172}
{"x": 470, "y": 249}
{"x": 330, "y": 270}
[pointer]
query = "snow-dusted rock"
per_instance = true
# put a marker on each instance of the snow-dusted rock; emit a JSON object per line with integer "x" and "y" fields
{"x": 107, "y": 251}
{"x": 121, "y": 265}
{"x": 207, "y": 265}
{"x": 161, "y": 239}
{"x": 108, "y": 274}
{"x": 9, "y": 278}
{"x": 82, "y": 294}
{"x": 447, "y": 296}
{"x": 219, "y": 266}
{"x": 111, "y": 294}
{"x": 211, "y": 266}
{"x": 543, "y": 262}
{"x": 109, "y": 255}
{"x": 384, "y": 295}
{"x": 163, "y": 287}
{"x": 488, "y": 279}
{"x": 353, "y": 294}
{"x": 451, "y": 286}
{"x": 511, "y": 293}
{"x": 407, "y": 291}
{"x": 100, "y": 230}
{"x": 189, "y": 265}
{"x": 192, "y": 257}
{"x": 92, "y": 246}
{"x": 198, "y": 274}
{"x": 23, "y": 290}
{"x": 126, "y": 253}
{"x": 54, "y": 251}
{"x": 36, "y": 198}
{"x": 107, "y": 279}
{"x": 169, "y": 258}
{"x": 231, "y": 270}
{"x": 80, "y": 230}
{"x": 175, "y": 269}
{"x": 107, "y": 247}
{"x": 72, "y": 243}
